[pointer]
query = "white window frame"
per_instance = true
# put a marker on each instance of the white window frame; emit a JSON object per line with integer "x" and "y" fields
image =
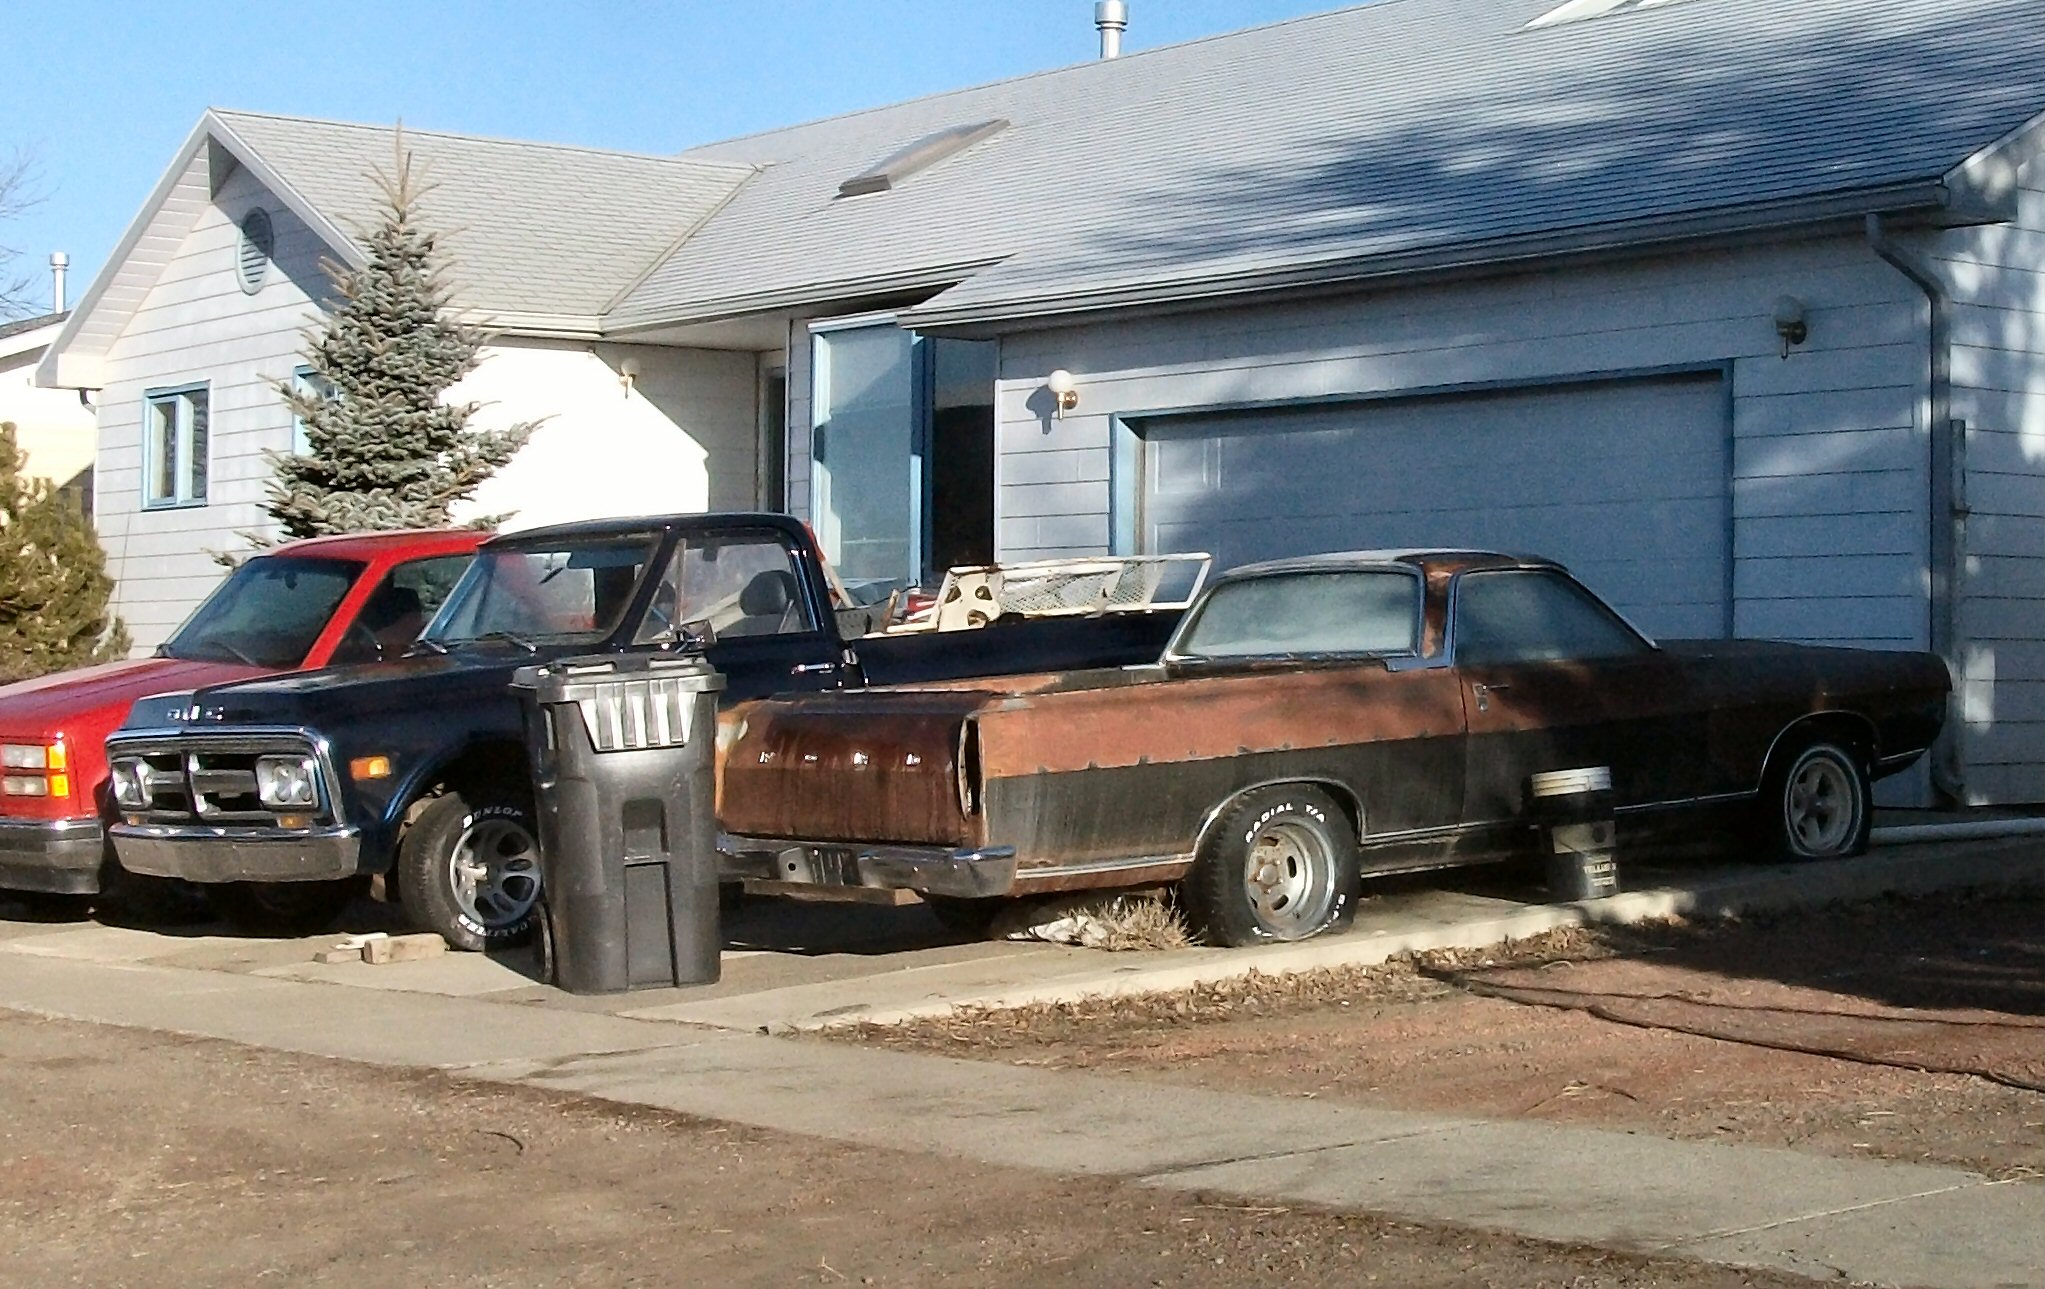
{"x": 189, "y": 483}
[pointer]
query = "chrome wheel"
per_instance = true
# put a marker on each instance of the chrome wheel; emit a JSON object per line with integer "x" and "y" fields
{"x": 494, "y": 872}
{"x": 1289, "y": 878}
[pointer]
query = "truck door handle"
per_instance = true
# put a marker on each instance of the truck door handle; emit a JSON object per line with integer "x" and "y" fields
{"x": 1483, "y": 694}
{"x": 812, "y": 668}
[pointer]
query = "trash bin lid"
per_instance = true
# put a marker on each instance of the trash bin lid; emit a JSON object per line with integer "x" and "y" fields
{"x": 627, "y": 702}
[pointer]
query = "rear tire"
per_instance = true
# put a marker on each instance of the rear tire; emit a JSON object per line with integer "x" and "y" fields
{"x": 469, "y": 869}
{"x": 1278, "y": 865}
{"x": 284, "y": 908}
{"x": 1816, "y": 803}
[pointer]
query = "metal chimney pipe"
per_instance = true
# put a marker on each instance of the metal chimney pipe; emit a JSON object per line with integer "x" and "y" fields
{"x": 1112, "y": 17}
{"x": 58, "y": 263}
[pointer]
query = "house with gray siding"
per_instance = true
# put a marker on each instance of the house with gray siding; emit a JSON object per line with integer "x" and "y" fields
{"x": 1735, "y": 306}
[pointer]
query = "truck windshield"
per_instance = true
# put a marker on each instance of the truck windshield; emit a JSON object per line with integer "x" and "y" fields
{"x": 1361, "y": 612}
{"x": 573, "y": 589}
{"x": 267, "y": 613}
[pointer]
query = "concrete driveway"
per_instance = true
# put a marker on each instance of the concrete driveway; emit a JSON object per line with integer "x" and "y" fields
{"x": 794, "y": 965}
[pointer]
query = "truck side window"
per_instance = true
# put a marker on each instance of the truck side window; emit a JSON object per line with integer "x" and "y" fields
{"x": 743, "y": 584}
{"x": 399, "y": 608}
{"x": 1525, "y": 615}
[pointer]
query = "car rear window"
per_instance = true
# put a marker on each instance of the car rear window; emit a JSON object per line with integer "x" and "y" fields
{"x": 1373, "y": 612}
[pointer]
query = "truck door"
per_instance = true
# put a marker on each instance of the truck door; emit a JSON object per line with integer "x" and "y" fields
{"x": 746, "y": 585}
{"x": 1554, "y": 680}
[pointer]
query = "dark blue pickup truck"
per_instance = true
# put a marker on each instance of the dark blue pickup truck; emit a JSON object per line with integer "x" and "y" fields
{"x": 284, "y": 796}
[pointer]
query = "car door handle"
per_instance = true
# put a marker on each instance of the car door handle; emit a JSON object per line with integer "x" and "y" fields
{"x": 1482, "y": 693}
{"x": 812, "y": 668}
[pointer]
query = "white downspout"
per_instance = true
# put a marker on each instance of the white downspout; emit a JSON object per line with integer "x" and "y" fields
{"x": 1948, "y": 500}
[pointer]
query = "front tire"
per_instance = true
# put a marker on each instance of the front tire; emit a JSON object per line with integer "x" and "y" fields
{"x": 284, "y": 908}
{"x": 1817, "y": 803}
{"x": 469, "y": 869}
{"x": 1278, "y": 865}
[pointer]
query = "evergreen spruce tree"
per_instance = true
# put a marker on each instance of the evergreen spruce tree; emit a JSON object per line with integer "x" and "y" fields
{"x": 53, "y": 582}
{"x": 384, "y": 450}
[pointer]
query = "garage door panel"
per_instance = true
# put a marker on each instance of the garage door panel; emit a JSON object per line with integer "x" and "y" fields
{"x": 1624, "y": 481}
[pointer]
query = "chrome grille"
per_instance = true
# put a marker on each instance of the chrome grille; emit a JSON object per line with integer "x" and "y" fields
{"x": 214, "y": 782}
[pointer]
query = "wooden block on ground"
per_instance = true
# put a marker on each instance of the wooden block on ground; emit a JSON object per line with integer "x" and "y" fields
{"x": 403, "y": 948}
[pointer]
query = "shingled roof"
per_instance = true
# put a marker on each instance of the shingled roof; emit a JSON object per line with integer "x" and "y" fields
{"x": 530, "y": 227}
{"x": 1393, "y": 136}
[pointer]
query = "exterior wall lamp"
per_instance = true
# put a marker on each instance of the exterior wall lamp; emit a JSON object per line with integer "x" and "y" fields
{"x": 628, "y": 375}
{"x": 1790, "y": 323}
{"x": 1064, "y": 391}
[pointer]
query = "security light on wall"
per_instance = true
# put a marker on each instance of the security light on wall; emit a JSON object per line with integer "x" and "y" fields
{"x": 1790, "y": 323}
{"x": 628, "y": 374}
{"x": 1064, "y": 390}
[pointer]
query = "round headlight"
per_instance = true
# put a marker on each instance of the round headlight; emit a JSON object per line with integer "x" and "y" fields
{"x": 286, "y": 782}
{"x": 130, "y": 786}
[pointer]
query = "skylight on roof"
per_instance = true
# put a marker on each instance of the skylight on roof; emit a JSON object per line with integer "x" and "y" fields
{"x": 1582, "y": 10}
{"x": 920, "y": 155}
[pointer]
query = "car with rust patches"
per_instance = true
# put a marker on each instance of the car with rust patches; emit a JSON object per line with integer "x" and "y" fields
{"x": 1313, "y": 721}
{"x": 298, "y": 606}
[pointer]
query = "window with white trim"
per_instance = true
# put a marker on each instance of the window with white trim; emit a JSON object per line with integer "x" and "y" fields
{"x": 174, "y": 433}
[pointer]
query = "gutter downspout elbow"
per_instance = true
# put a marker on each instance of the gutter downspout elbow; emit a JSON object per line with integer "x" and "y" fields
{"x": 1948, "y": 510}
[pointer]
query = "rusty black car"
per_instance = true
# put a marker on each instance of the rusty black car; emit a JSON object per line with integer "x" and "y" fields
{"x": 1311, "y": 722}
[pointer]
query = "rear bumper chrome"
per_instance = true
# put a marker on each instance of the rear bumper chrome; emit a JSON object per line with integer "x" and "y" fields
{"x": 52, "y": 856}
{"x": 929, "y": 870}
{"x": 201, "y": 854}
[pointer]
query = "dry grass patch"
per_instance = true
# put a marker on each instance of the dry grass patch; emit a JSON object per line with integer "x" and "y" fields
{"x": 1408, "y": 978}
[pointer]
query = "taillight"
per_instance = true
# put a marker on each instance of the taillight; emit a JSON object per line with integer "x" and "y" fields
{"x": 35, "y": 769}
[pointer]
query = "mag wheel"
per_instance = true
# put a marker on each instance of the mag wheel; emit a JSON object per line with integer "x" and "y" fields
{"x": 469, "y": 869}
{"x": 1817, "y": 803}
{"x": 1279, "y": 864}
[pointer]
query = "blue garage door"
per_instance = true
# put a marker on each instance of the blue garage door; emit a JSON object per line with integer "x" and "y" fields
{"x": 1623, "y": 481}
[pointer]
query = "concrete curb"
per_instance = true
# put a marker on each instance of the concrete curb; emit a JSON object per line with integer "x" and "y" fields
{"x": 1957, "y": 830}
{"x": 2012, "y": 867}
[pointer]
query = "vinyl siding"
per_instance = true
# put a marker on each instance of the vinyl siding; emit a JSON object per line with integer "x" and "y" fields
{"x": 1828, "y": 477}
{"x": 1994, "y": 279}
{"x": 196, "y": 324}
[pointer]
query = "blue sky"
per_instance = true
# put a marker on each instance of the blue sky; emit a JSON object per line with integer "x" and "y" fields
{"x": 103, "y": 91}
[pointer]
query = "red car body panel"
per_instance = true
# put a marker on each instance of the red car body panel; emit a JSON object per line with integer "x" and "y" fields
{"x": 55, "y": 844}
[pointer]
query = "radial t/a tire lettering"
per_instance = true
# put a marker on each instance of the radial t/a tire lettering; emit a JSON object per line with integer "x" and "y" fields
{"x": 1279, "y": 864}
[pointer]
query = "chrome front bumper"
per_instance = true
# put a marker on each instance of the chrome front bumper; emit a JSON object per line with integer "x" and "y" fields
{"x": 928, "y": 870}
{"x": 52, "y": 856}
{"x": 201, "y": 854}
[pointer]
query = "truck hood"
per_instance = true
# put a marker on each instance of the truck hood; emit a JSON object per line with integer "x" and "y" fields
{"x": 48, "y": 704}
{"x": 359, "y": 694}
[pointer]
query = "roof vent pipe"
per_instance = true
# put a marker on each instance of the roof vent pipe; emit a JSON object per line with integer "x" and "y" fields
{"x": 1112, "y": 17}
{"x": 59, "y": 262}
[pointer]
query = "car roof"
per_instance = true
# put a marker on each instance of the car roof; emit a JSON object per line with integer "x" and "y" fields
{"x": 1426, "y": 559}
{"x": 369, "y": 546}
{"x": 629, "y": 524}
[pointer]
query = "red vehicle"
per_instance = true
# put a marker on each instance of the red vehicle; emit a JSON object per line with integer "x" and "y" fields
{"x": 306, "y": 604}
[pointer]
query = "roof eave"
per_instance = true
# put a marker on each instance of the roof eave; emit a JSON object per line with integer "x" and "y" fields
{"x": 1986, "y": 182}
{"x": 974, "y": 320}
{"x": 817, "y": 295}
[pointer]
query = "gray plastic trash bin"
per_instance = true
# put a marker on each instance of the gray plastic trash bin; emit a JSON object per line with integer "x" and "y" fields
{"x": 1574, "y": 810}
{"x": 621, "y": 752}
